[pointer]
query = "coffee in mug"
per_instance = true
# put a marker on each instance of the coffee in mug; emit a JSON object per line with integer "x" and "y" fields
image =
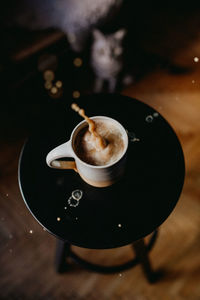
{"x": 85, "y": 147}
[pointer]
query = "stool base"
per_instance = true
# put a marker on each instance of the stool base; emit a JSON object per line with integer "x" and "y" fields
{"x": 141, "y": 250}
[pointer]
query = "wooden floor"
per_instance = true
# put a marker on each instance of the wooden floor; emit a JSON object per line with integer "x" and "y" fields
{"x": 27, "y": 251}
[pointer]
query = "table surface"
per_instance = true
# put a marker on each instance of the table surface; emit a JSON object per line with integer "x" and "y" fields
{"x": 113, "y": 216}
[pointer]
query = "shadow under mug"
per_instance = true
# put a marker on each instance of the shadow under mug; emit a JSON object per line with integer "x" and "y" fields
{"x": 98, "y": 176}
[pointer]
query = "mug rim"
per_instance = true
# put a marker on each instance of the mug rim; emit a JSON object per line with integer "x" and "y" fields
{"x": 125, "y": 137}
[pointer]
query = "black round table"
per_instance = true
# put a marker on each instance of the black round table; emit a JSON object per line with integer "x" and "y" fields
{"x": 114, "y": 216}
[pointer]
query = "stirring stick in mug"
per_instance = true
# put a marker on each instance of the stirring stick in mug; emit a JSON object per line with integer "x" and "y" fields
{"x": 100, "y": 142}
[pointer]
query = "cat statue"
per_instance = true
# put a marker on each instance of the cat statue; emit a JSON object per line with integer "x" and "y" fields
{"x": 75, "y": 18}
{"x": 106, "y": 58}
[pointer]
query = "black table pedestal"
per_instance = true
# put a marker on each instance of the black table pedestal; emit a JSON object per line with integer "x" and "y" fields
{"x": 63, "y": 251}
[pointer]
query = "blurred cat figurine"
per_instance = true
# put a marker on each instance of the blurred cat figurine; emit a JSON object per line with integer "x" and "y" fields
{"x": 106, "y": 58}
{"x": 75, "y": 18}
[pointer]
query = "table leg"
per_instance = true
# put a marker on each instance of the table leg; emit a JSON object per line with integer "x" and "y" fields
{"x": 62, "y": 251}
{"x": 141, "y": 252}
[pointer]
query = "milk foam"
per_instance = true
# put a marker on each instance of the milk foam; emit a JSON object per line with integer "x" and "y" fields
{"x": 85, "y": 145}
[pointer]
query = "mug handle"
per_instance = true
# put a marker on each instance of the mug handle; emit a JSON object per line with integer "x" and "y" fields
{"x": 64, "y": 150}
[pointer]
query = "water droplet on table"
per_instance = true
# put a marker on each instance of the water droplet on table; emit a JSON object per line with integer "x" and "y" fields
{"x": 73, "y": 202}
{"x": 77, "y": 194}
{"x": 132, "y": 137}
{"x": 149, "y": 119}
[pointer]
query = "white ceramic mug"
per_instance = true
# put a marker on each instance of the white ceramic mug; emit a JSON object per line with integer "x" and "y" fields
{"x": 99, "y": 176}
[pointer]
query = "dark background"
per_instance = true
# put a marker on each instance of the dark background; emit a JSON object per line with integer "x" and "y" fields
{"x": 155, "y": 35}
